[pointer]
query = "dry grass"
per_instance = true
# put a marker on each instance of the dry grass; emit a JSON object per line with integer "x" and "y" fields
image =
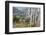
{"x": 22, "y": 24}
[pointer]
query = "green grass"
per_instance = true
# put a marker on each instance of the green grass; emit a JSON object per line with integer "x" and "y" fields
{"x": 20, "y": 24}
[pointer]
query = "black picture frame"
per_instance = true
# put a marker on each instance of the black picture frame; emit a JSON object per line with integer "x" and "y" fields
{"x": 7, "y": 17}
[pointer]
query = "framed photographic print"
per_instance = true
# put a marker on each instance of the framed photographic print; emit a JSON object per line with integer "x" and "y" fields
{"x": 24, "y": 17}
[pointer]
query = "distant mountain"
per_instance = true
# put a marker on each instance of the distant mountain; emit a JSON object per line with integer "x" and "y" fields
{"x": 21, "y": 11}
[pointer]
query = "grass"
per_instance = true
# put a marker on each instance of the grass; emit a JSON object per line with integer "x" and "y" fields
{"x": 19, "y": 24}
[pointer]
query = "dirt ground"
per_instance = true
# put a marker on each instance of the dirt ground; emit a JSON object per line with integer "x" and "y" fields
{"x": 22, "y": 24}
